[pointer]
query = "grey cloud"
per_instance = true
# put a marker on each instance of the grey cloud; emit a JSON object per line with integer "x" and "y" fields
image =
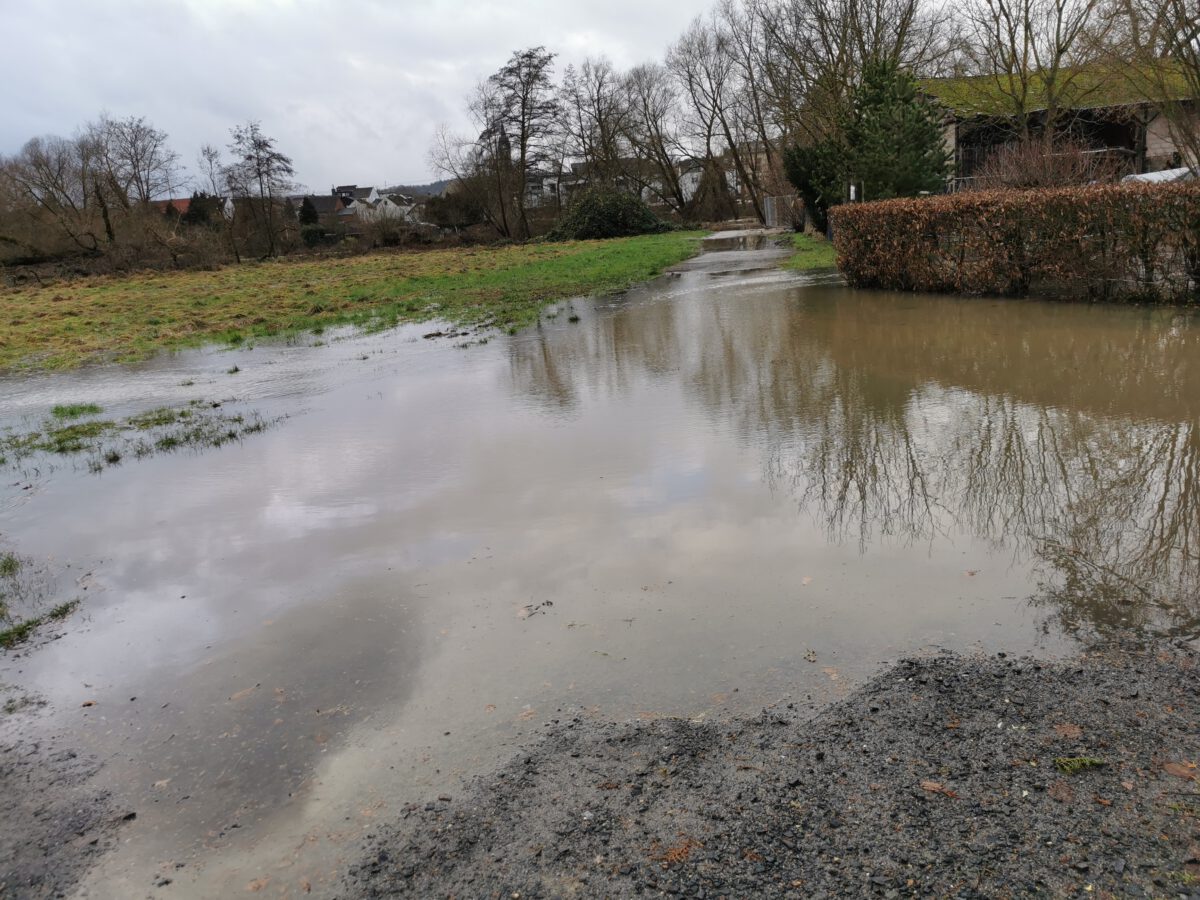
{"x": 352, "y": 90}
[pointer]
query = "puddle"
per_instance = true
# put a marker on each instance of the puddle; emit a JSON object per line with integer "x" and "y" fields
{"x": 709, "y": 495}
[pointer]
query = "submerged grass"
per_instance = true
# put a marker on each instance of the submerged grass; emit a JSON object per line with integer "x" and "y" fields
{"x": 24, "y": 591}
{"x": 21, "y": 631}
{"x": 812, "y": 252}
{"x": 75, "y": 410}
{"x": 196, "y": 426}
{"x": 128, "y": 318}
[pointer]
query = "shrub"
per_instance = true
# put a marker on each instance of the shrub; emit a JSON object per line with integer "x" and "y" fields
{"x": 312, "y": 234}
{"x": 1101, "y": 242}
{"x": 601, "y": 213}
{"x": 1034, "y": 164}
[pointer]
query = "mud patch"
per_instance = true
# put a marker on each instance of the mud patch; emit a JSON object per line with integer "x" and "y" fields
{"x": 53, "y": 821}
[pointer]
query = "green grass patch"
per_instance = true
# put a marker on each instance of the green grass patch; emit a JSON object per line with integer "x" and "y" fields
{"x": 1073, "y": 765}
{"x": 812, "y": 252}
{"x": 61, "y": 611}
{"x": 18, "y": 633}
{"x": 503, "y": 287}
{"x": 74, "y": 438}
{"x": 10, "y": 565}
{"x": 158, "y": 418}
{"x": 75, "y": 410}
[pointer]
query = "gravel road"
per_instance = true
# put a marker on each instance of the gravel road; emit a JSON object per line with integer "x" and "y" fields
{"x": 945, "y": 776}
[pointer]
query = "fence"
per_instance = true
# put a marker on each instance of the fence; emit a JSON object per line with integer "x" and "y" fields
{"x": 781, "y": 211}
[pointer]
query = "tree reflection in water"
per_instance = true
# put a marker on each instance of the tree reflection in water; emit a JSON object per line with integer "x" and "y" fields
{"x": 1064, "y": 434}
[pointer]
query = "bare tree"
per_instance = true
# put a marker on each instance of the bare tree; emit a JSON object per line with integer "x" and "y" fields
{"x": 59, "y": 177}
{"x": 212, "y": 180}
{"x": 261, "y": 175}
{"x": 651, "y": 128}
{"x": 594, "y": 111}
{"x": 1034, "y": 57}
{"x": 481, "y": 167}
{"x": 1164, "y": 37}
{"x": 702, "y": 70}
{"x": 742, "y": 24}
{"x": 815, "y": 51}
{"x": 516, "y": 112}
{"x": 523, "y": 119}
{"x": 140, "y": 164}
{"x": 211, "y": 176}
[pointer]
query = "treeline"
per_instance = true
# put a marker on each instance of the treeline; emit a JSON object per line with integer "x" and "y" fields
{"x": 707, "y": 131}
{"x": 755, "y": 100}
{"x": 99, "y": 198}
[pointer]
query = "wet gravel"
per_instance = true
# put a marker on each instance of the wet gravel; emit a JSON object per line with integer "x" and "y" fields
{"x": 937, "y": 778}
{"x": 53, "y": 821}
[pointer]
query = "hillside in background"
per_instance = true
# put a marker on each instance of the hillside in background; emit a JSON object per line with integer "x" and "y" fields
{"x": 433, "y": 189}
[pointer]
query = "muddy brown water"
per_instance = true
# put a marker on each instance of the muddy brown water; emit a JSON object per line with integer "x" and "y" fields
{"x": 732, "y": 487}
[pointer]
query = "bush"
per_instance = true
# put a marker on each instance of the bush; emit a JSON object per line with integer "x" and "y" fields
{"x": 600, "y": 213}
{"x": 312, "y": 234}
{"x": 1034, "y": 164}
{"x": 1101, "y": 242}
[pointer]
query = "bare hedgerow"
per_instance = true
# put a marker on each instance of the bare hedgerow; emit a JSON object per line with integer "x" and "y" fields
{"x": 1036, "y": 164}
{"x": 1101, "y": 242}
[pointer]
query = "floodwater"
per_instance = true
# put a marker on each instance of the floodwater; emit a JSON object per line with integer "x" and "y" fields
{"x": 733, "y": 487}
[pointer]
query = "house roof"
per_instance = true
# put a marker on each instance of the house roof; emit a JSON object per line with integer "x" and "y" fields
{"x": 1094, "y": 87}
{"x": 180, "y": 204}
{"x": 324, "y": 204}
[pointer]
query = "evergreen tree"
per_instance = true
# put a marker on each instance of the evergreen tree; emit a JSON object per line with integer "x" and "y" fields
{"x": 818, "y": 173}
{"x": 889, "y": 141}
{"x": 308, "y": 213}
{"x": 200, "y": 209}
{"x": 894, "y": 137}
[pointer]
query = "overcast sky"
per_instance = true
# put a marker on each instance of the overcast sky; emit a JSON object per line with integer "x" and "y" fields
{"x": 351, "y": 89}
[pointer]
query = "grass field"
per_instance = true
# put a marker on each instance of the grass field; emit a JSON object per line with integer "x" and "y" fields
{"x": 812, "y": 252}
{"x": 129, "y": 318}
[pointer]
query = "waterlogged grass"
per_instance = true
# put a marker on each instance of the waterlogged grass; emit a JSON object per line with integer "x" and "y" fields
{"x": 75, "y": 410}
{"x": 108, "y": 442}
{"x": 812, "y": 252}
{"x": 24, "y": 593}
{"x": 128, "y": 318}
{"x": 21, "y": 631}
{"x": 74, "y": 438}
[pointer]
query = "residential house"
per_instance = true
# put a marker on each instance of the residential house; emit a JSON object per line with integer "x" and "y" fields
{"x": 347, "y": 206}
{"x": 182, "y": 204}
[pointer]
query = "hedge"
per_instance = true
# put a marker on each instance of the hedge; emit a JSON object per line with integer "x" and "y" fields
{"x": 1136, "y": 242}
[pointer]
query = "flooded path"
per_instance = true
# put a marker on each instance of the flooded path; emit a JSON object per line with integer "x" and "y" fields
{"x": 730, "y": 488}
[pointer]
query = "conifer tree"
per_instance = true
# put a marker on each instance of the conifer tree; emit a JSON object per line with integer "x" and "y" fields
{"x": 308, "y": 213}
{"x": 894, "y": 137}
{"x": 889, "y": 142}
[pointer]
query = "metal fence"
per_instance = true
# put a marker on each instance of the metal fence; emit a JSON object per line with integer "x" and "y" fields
{"x": 780, "y": 211}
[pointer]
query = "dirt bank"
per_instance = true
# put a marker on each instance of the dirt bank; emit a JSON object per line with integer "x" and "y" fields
{"x": 53, "y": 820}
{"x": 937, "y": 778}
